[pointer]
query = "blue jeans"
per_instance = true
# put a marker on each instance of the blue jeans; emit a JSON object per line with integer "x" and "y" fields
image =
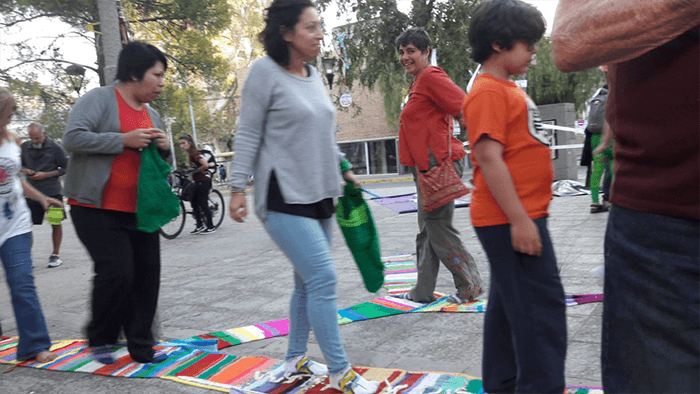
{"x": 16, "y": 257}
{"x": 525, "y": 323}
{"x": 306, "y": 242}
{"x": 651, "y": 320}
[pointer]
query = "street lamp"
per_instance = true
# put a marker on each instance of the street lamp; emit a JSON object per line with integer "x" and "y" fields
{"x": 328, "y": 67}
{"x": 73, "y": 71}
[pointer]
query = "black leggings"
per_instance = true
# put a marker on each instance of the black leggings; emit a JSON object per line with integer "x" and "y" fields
{"x": 200, "y": 205}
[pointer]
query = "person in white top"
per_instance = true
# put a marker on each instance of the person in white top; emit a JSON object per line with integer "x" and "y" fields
{"x": 15, "y": 242}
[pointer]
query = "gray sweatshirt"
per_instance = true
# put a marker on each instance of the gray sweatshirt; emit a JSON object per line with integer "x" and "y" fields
{"x": 287, "y": 125}
{"x": 93, "y": 139}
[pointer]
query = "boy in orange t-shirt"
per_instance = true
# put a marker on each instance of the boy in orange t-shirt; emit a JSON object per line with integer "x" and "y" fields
{"x": 525, "y": 324}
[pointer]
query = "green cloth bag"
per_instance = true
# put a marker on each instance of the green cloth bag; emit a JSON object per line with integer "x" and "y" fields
{"x": 156, "y": 204}
{"x": 355, "y": 220}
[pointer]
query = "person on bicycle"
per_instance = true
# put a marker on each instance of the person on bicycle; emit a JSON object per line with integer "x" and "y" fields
{"x": 202, "y": 180}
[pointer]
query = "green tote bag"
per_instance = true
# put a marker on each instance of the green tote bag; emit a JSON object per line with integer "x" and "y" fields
{"x": 156, "y": 204}
{"x": 355, "y": 220}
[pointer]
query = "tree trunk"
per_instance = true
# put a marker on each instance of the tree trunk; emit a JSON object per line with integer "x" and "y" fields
{"x": 111, "y": 40}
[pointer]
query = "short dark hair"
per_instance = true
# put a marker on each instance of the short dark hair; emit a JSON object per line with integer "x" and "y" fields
{"x": 503, "y": 22}
{"x": 416, "y": 36}
{"x": 281, "y": 14}
{"x": 136, "y": 58}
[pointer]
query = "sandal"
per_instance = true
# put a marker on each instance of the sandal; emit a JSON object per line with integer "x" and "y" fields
{"x": 597, "y": 208}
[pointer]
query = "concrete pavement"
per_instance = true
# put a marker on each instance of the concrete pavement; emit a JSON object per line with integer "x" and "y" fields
{"x": 237, "y": 277}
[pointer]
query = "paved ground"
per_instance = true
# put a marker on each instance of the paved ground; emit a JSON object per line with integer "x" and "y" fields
{"x": 237, "y": 277}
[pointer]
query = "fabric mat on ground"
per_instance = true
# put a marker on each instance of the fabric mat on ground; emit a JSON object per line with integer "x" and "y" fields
{"x": 228, "y": 373}
{"x": 569, "y": 188}
{"x": 405, "y": 203}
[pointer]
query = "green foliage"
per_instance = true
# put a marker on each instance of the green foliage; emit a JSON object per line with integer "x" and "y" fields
{"x": 371, "y": 44}
{"x": 547, "y": 85}
{"x": 373, "y": 56}
{"x": 74, "y": 12}
{"x": 204, "y": 42}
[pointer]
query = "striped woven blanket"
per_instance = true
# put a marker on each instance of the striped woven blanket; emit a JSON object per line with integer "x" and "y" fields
{"x": 246, "y": 375}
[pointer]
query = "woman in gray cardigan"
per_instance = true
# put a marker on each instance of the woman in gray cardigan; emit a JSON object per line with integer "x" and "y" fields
{"x": 286, "y": 138}
{"x": 106, "y": 130}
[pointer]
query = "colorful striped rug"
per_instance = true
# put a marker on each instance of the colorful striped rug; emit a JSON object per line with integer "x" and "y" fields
{"x": 405, "y": 203}
{"x": 196, "y": 361}
{"x": 400, "y": 275}
{"x": 244, "y": 375}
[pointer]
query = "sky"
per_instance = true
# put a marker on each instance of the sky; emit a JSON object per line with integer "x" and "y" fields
{"x": 79, "y": 51}
{"x": 546, "y": 7}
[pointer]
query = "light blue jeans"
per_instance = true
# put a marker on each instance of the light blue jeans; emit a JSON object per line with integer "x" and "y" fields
{"x": 16, "y": 257}
{"x": 306, "y": 242}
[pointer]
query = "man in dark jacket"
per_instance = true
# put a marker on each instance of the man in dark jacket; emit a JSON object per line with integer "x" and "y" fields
{"x": 43, "y": 161}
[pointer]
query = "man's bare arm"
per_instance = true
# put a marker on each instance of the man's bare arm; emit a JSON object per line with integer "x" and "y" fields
{"x": 589, "y": 33}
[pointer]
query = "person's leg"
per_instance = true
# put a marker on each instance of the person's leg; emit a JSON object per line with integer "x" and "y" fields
{"x": 651, "y": 320}
{"x": 427, "y": 262}
{"x": 57, "y": 231}
{"x": 196, "y": 204}
{"x": 306, "y": 244}
{"x": 201, "y": 204}
{"x": 446, "y": 244}
{"x": 57, "y": 237}
{"x": 597, "y": 172}
{"x": 15, "y": 254}
{"x": 143, "y": 299}
{"x": 206, "y": 187}
{"x": 499, "y": 368}
{"x": 534, "y": 303}
{"x": 107, "y": 241}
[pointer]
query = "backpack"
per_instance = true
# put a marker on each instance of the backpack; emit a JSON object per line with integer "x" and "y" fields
{"x": 211, "y": 161}
{"x": 596, "y": 114}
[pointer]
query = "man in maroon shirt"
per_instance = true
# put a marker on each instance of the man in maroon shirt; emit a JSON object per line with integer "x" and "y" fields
{"x": 651, "y": 319}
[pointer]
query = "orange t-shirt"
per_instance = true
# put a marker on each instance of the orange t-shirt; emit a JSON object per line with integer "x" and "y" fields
{"x": 501, "y": 110}
{"x": 119, "y": 193}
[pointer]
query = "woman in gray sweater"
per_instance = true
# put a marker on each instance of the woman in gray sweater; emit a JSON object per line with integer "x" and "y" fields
{"x": 286, "y": 138}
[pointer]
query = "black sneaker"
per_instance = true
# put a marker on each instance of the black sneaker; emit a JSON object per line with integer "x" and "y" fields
{"x": 198, "y": 230}
{"x": 207, "y": 231}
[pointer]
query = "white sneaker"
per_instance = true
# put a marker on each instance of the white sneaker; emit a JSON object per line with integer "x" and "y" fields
{"x": 54, "y": 261}
{"x": 303, "y": 364}
{"x": 349, "y": 382}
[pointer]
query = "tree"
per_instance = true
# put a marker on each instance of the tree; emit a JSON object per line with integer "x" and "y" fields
{"x": 371, "y": 49}
{"x": 371, "y": 46}
{"x": 547, "y": 85}
{"x": 191, "y": 34}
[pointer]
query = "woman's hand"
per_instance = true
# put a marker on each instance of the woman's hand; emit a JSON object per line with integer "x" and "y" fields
{"x": 138, "y": 139}
{"x": 237, "y": 207}
{"x": 525, "y": 237}
{"x": 159, "y": 138}
{"x": 350, "y": 177}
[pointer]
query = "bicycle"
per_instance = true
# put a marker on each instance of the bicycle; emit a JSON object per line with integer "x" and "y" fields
{"x": 215, "y": 200}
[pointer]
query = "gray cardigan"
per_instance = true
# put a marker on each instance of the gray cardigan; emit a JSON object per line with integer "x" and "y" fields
{"x": 287, "y": 125}
{"x": 93, "y": 139}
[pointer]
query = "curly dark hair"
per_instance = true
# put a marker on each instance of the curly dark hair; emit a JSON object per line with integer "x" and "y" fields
{"x": 281, "y": 14}
{"x": 503, "y": 22}
{"x": 136, "y": 58}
